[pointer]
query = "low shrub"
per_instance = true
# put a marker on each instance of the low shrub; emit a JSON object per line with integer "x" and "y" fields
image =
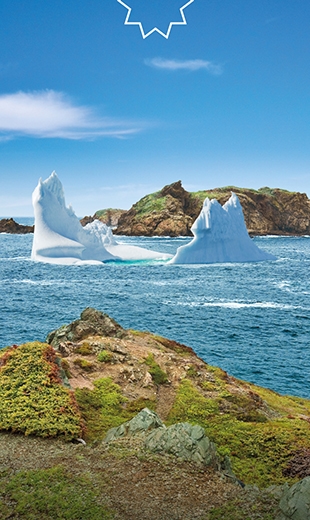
{"x": 102, "y": 408}
{"x": 84, "y": 350}
{"x": 105, "y": 356}
{"x": 33, "y": 398}
{"x": 158, "y": 375}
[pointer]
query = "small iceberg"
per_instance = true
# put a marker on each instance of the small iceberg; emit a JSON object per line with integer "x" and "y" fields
{"x": 220, "y": 235}
{"x": 59, "y": 237}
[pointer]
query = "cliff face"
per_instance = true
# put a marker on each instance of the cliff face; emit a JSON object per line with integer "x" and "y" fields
{"x": 173, "y": 210}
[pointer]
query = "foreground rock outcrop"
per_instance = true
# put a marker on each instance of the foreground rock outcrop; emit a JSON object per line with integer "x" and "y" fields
{"x": 91, "y": 322}
{"x": 173, "y": 210}
{"x": 113, "y": 374}
{"x": 8, "y": 225}
{"x": 295, "y": 501}
{"x": 182, "y": 440}
{"x": 133, "y": 370}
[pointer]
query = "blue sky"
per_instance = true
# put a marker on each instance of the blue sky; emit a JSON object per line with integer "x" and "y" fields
{"x": 225, "y": 100}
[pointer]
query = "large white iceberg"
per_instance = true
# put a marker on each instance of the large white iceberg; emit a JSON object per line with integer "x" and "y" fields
{"x": 220, "y": 235}
{"x": 60, "y": 238}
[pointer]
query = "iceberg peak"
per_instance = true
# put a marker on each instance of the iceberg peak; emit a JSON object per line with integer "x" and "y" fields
{"x": 60, "y": 238}
{"x": 220, "y": 235}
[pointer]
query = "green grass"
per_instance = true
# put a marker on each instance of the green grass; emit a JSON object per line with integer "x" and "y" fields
{"x": 33, "y": 398}
{"x": 217, "y": 193}
{"x": 51, "y": 494}
{"x": 101, "y": 408}
{"x": 150, "y": 203}
{"x": 191, "y": 406}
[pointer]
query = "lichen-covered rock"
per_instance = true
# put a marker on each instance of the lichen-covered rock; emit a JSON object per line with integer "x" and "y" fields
{"x": 140, "y": 425}
{"x": 185, "y": 441}
{"x": 91, "y": 323}
{"x": 295, "y": 501}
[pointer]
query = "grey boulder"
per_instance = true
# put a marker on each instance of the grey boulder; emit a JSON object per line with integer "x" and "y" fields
{"x": 183, "y": 440}
{"x": 141, "y": 424}
{"x": 295, "y": 501}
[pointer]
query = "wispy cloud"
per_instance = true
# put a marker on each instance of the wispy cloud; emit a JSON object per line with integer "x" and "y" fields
{"x": 50, "y": 114}
{"x": 190, "y": 65}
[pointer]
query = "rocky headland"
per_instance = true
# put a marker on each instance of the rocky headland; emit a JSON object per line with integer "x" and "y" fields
{"x": 155, "y": 432}
{"x": 172, "y": 211}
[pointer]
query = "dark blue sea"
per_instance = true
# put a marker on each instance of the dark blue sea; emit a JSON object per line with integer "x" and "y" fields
{"x": 253, "y": 320}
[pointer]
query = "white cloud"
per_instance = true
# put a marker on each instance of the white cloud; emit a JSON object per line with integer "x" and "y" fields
{"x": 50, "y": 114}
{"x": 191, "y": 65}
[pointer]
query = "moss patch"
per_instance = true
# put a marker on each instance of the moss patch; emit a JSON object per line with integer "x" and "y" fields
{"x": 84, "y": 350}
{"x": 158, "y": 375}
{"x": 33, "y": 399}
{"x": 84, "y": 364}
{"x": 102, "y": 408}
{"x": 105, "y": 356}
{"x": 191, "y": 406}
{"x": 262, "y": 507}
{"x": 259, "y": 451}
{"x": 50, "y": 494}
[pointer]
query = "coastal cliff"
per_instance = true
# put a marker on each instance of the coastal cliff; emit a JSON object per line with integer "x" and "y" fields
{"x": 172, "y": 211}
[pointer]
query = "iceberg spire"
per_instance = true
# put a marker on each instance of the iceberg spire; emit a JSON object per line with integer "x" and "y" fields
{"x": 60, "y": 238}
{"x": 220, "y": 235}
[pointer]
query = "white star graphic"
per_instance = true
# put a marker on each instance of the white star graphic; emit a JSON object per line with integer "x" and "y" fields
{"x": 155, "y": 29}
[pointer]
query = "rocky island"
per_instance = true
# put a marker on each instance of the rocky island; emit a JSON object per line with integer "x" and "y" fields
{"x": 172, "y": 211}
{"x": 133, "y": 425}
{"x": 8, "y": 225}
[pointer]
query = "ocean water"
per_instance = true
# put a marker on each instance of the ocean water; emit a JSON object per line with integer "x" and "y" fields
{"x": 253, "y": 320}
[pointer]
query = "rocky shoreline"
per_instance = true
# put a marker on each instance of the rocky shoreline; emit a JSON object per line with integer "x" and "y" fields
{"x": 8, "y": 225}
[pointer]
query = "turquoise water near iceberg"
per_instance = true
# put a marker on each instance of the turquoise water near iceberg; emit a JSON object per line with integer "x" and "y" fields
{"x": 253, "y": 320}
